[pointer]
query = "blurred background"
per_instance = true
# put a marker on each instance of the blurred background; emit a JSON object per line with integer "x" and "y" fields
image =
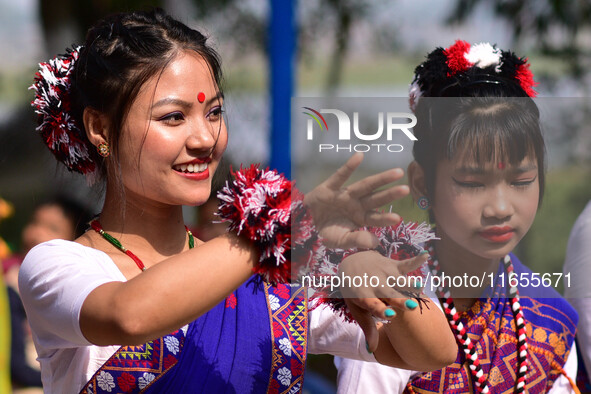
{"x": 348, "y": 48}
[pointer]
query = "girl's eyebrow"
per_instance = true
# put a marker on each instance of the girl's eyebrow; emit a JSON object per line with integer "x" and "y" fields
{"x": 217, "y": 97}
{"x": 469, "y": 170}
{"x": 172, "y": 100}
{"x": 183, "y": 103}
{"x": 525, "y": 168}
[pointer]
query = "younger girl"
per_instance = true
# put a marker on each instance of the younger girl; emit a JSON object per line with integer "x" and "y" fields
{"x": 479, "y": 170}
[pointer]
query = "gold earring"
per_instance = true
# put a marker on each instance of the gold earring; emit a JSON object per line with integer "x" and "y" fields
{"x": 103, "y": 149}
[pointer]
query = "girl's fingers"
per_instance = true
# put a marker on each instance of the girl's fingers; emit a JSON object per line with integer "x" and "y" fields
{"x": 401, "y": 303}
{"x": 408, "y": 265}
{"x": 383, "y": 197}
{"x": 358, "y": 239}
{"x": 369, "y": 184}
{"x": 395, "y": 280}
{"x": 374, "y": 306}
{"x": 367, "y": 324}
{"x": 394, "y": 299}
{"x": 381, "y": 219}
{"x": 338, "y": 179}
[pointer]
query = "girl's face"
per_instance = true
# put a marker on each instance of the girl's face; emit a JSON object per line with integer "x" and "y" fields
{"x": 174, "y": 135}
{"x": 485, "y": 210}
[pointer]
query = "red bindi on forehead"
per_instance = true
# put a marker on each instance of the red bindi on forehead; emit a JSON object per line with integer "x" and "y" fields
{"x": 201, "y": 97}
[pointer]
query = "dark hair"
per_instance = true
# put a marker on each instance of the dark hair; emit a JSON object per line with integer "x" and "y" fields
{"x": 75, "y": 212}
{"x": 484, "y": 118}
{"x": 120, "y": 54}
{"x": 474, "y": 82}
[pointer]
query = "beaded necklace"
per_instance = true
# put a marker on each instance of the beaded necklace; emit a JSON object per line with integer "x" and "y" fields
{"x": 96, "y": 226}
{"x": 464, "y": 340}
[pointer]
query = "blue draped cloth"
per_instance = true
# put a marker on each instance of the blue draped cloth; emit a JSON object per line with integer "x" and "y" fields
{"x": 252, "y": 342}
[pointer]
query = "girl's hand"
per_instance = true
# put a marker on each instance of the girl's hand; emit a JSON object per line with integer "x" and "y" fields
{"x": 338, "y": 211}
{"x": 376, "y": 297}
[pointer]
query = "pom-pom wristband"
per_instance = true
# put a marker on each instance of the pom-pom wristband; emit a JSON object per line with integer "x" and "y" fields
{"x": 259, "y": 205}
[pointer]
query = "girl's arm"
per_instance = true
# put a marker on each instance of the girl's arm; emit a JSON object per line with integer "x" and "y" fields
{"x": 169, "y": 295}
{"x": 180, "y": 289}
{"x": 418, "y": 338}
{"x": 419, "y": 341}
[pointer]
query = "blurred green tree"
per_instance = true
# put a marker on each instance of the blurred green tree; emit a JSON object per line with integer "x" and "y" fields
{"x": 335, "y": 19}
{"x": 67, "y": 20}
{"x": 346, "y": 14}
{"x": 244, "y": 23}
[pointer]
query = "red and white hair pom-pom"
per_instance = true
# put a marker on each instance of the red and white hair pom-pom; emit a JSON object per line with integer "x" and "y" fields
{"x": 258, "y": 205}
{"x": 466, "y": 63}
{"x": 52, "y": 102}
{"x": 400, "y": 242}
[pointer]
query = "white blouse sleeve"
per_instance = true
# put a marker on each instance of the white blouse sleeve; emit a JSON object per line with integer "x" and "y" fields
{"x": 355, "y": 377}
{"x": 562, "y": 385}
{"x": 329, "y": 334}
{"x": 54, "y": 280}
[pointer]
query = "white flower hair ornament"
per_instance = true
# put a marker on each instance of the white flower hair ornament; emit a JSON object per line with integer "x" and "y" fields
{"x": 458, "y": 60}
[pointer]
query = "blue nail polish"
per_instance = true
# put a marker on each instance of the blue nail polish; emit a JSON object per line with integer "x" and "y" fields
{"x": 423, "y": 252}
{"x": 411, "y": 304}
{"x": 367, "y": 347}
{"x": 418, "y": 283}
{"x": 389, "y": 313}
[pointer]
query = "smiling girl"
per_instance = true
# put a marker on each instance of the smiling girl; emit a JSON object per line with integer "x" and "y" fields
{"x": 137, "y": 304}
{"x": 479, "y": 170}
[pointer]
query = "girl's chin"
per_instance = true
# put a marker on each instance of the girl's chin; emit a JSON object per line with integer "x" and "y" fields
{"x": 494, "y": 248}
{"x": 496, "y": 254}
{"x": 188, "y": 200}
{"x": 195, "y": 202}
{"x": 196, "y": 196}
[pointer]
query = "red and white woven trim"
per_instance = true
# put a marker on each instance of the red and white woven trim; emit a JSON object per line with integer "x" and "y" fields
{"x": 464, "y": 340}
{"x": 521, "y": 330}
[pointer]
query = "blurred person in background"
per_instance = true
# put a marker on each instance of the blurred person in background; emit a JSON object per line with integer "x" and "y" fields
{"x": 55, "y": 218}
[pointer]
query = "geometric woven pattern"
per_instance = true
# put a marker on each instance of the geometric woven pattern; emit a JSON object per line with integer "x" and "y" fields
{"x": 491, "y": 327}
{"x": 289, "y": 327}
{"x": 132, "y": 369}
